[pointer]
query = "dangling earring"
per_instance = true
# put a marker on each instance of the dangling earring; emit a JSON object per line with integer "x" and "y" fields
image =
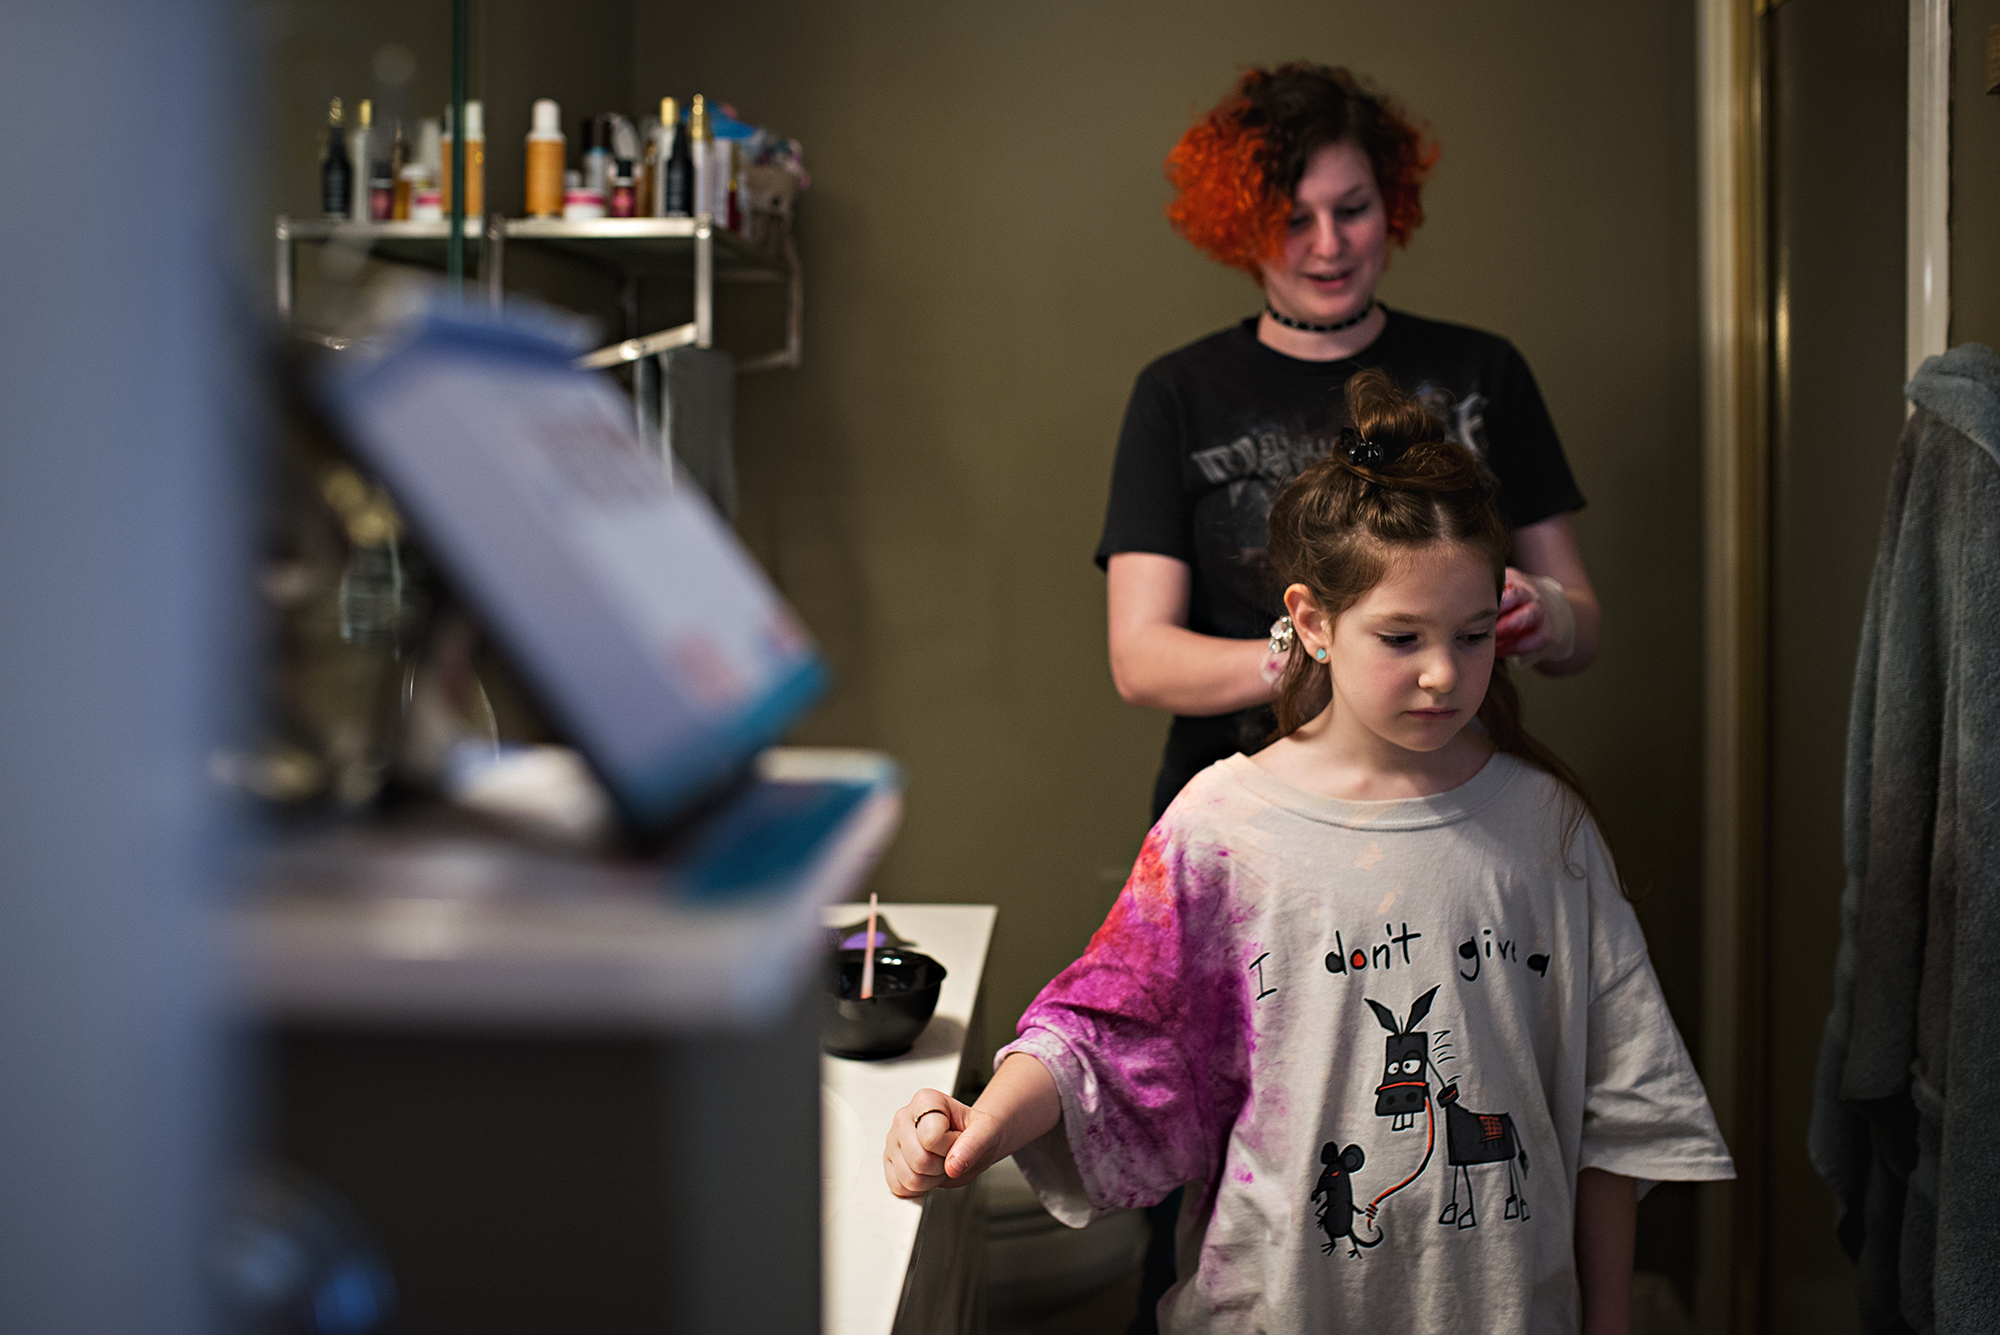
{"x": 1320, "y": 654}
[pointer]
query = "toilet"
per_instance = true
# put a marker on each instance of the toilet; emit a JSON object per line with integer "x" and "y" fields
{"x": 1038, "y": 1267}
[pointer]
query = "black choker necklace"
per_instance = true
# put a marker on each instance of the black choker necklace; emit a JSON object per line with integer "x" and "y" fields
{"x": 1334, "y": 328}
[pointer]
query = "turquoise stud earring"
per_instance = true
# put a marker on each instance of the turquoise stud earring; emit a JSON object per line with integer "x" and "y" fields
{"x": 1320, "y": 654}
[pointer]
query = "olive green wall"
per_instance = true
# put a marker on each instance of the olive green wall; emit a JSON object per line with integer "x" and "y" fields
{"x": 1837, "y": 216}
{"x": 313, "y": 50}
{"x": 988, "y": 270}
{"x": 1975, "y": 179}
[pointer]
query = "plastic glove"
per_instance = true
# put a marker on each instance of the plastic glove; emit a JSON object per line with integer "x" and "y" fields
{"x": 1536, "y": 622}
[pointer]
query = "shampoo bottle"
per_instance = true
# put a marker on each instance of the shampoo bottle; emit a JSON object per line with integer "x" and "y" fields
{"x": 336, "y": 169}
{"x": 430, "y": 148}
{"x": 704, "y": 157}
{"x": 597, "y": 155}
{"x": 360, "y": 160}
{"x": 475, "y": 161}
{"x": 547, "y": 150}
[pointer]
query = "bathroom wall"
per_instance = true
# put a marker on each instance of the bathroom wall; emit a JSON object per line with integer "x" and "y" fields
{"x": 1837, "y": 217}
{"x": 1975, "y": 179}
{"x": 987, "y": 271}
{"x": 399, "y": 54}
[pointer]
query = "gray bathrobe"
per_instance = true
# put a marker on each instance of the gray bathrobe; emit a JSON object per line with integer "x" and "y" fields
{"x": 1906, "y": 1112}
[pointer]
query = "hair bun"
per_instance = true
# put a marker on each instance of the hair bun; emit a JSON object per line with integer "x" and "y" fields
{"x": 1395, "y": 442}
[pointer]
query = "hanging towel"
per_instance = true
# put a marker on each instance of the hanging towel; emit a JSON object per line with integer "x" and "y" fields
{"x": 1904, "y": 1122}
{"x": 698, "y": 419}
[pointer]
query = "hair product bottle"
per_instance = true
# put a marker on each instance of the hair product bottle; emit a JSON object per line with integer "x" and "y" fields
{"x": 547, "y": 150}
{"x": 580, "y": 203}
{"x": 360, "y": 160}
{"x": 677, "y": 176}
{"x": 475, "y": 161}
{"x": 624, "y": 202}
{"x": 651, "y": 161}
{"x": 597, "y": 155}
{"x": 733, "y": 173}
{"x": 399, "y": 183}
{"x": 658, "y": 154}
{"x": 430, "y": 147}
{"x": 336, "y": 170}
{"x": 704, "y": 159}
{"x": 425, "y": 202}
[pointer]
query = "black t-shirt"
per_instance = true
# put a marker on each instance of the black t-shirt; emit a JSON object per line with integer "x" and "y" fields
{"x": 1217, "y": 429}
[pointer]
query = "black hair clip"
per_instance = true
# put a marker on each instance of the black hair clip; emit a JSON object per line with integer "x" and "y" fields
{"x": 1363, "y": 453}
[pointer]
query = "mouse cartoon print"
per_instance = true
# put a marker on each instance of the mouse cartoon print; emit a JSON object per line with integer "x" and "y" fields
{"x": 1335, "y": 1193}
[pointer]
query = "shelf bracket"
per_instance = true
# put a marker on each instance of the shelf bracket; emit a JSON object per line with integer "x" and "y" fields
{"x": 704, "y": 281}
{"x": 494, "y": 263}
{"x": 286, "y": 269}
{"x": 788, "y": 357}
{"x": 632, "y": 349}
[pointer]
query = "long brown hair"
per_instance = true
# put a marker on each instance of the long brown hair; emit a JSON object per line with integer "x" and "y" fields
{"x": 1345, "y": 521}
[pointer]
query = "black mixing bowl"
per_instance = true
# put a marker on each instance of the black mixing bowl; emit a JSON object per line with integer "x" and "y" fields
{"x": 887, "y": 1024}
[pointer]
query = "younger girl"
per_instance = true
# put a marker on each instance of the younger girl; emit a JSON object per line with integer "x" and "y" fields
{"x": 1374, "y": 993}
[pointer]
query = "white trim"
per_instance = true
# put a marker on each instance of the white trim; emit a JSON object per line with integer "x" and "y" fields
{"x": 1929, "y": 271}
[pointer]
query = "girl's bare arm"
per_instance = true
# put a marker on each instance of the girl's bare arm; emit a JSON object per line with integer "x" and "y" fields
{"x": 1607, "y": 1219}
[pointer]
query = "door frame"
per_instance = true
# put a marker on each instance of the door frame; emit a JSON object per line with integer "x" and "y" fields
{"x": 1743, "y": 351}
{"x": 1737, "y": 359}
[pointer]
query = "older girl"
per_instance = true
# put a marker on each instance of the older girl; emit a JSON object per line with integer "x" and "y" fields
{"x": 1373, "y": 993}
{"x": 1304, "y": 179}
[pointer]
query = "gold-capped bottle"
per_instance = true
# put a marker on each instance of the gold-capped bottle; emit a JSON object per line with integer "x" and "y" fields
{"x": 336, "y": 169}
{"x": 677, "y": 176}
{"x": 360, "y": 160}
{"x": 704, "y": 160}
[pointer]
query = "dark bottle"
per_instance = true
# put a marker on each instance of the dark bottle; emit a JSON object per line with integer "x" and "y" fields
{"x": 336, "y": 172}
{"x": 679, "y": 176}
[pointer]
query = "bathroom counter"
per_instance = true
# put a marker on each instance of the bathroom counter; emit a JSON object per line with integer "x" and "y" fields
{"x": 457, "y": 926}
{"x": 894, "y": 1265}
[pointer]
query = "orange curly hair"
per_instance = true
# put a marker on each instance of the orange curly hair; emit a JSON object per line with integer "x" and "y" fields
{"x": 1234, "y": 171}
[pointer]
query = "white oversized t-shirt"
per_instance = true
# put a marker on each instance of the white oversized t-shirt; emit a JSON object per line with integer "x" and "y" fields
{"x": 1379, "y": 1039}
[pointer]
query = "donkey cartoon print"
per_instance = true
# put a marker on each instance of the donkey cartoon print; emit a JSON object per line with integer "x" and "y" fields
{"x": 1405, "y": 1087}
{"x": 1473, "y": 1138}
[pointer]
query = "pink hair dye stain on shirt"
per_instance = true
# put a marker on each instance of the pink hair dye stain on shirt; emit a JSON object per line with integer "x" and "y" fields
{"x": 1161, "y": 1011}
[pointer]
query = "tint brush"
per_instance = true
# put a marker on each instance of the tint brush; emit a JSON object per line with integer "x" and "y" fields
{"x": 868, "y": 953}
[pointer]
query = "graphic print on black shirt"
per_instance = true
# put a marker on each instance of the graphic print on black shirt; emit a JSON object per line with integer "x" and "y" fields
{"x": 1217, "y": 429}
